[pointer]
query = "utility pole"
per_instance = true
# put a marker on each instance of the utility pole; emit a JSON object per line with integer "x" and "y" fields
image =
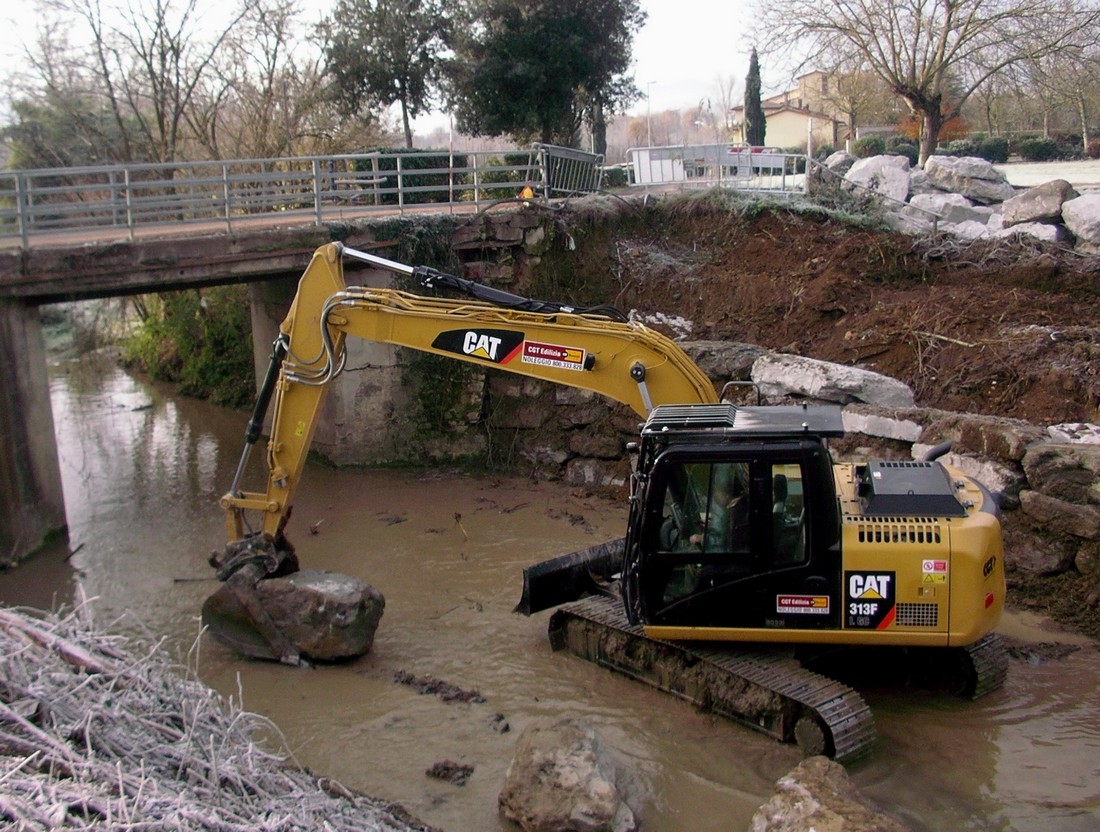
{"x": 648, "y": 115}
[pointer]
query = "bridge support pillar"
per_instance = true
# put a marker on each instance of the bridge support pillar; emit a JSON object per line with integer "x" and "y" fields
{"x": 32, "y": 505}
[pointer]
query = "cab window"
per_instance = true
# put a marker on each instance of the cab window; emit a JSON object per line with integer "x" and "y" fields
{"x": 788, "y": 514}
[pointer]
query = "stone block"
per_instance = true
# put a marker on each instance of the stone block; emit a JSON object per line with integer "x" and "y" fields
{"x": 819, "y": 795}
{"x": 560, "y": 779}
{"x": 1065, "y": 470}
{"x": 1061, "y": 517}
{"x": 1082, "y": 217}
{"x": 780, "y": 375}
{"x": 880, "y": 425}
{"x": 1043, "y": 203}
{"x": 974, "y": 178}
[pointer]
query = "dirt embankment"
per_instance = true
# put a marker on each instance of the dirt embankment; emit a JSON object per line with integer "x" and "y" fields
{"x": 1007, "y": 328}
{"x": 1004, "y": 328}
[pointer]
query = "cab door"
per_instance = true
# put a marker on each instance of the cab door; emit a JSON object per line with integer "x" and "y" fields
{"x": 734, "y": 538}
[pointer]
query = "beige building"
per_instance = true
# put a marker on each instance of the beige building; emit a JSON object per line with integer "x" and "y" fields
{"x": 794, "y": 116}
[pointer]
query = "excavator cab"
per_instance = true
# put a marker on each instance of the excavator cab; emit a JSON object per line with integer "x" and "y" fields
{"x": 726, "y": 519}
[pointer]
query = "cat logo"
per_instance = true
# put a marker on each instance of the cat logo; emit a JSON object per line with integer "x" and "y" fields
{"x": 481, "y": 345}
{"x": 497, "y": 346}
{"x": 869, "y": 600}
{"x": 871, "y": 586}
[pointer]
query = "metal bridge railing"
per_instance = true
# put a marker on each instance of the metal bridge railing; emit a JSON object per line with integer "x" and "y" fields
{"x": 120, "y": 199}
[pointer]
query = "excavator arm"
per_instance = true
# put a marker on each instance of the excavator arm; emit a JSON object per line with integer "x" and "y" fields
{"x": 595, "y": 349}
{"x": 624, "y": 361}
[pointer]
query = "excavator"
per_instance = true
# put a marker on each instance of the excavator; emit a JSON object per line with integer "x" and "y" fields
{"x": 747, "y": 548}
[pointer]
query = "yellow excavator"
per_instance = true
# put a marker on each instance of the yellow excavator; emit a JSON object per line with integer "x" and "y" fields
{"x": 741, "y": 526}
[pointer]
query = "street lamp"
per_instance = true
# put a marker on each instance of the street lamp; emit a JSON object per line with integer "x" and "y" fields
{"x": 648, "y": 114}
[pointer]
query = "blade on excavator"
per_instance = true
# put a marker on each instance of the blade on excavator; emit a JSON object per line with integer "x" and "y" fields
{"x": 567, "y": 578}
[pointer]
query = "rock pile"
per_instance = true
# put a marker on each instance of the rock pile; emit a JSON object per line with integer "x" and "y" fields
{"x": 969, "y": 198}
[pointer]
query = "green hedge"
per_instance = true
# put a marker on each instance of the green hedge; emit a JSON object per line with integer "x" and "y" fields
{"x": 991, "y": 148}
{"x": 386, "y": 167}
{"x": 1037, "y": 149}
{"x": 866, "y": 146}
{"x": 902, "y": 146}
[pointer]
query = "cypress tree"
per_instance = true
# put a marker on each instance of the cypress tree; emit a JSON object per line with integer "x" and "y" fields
{"x": 755, "y": 125}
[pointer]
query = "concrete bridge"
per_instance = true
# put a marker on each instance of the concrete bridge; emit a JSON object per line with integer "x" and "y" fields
{"x": 71, "y": 234}
{"x": 31, "y": 502}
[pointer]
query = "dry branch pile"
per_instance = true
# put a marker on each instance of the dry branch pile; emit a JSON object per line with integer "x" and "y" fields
{"x": 95, "y": 735}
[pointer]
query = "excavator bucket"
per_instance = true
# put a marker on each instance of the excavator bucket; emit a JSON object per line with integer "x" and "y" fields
{"x": 569, "y": 577}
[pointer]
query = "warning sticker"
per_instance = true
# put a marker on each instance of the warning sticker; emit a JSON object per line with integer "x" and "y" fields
{"x": 552, "y": 355}
{"x": 934, "y": 578}
{"x": 802, "y": 604}
{"x": 935, "y": 567}
{"x": 869, "y": 600}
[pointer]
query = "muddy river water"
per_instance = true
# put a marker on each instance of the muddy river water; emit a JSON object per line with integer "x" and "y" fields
{"x": 142, "y": 473}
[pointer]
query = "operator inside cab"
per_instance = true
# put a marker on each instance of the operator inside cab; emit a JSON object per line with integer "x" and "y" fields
{"x": 716, "y": 528}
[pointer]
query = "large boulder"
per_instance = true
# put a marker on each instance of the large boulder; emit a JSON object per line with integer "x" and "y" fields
{"x": 1033, "y": 553}
{"x": 948, "y": 207}
{"x": 885, "y": 175}
{"x": 991, "y": 436}
{"x": 724, "y": 360}
{"x": 974, "y": 178}
{"x": 1061, "y": 517}
{"x": 1043, "y": 203}
{"x": 1046, "y": 232}
{"x": 1082, "y": 217}
{"x": 326, "y": 615}
{"x": 839, "y": 162}
{"x": 819, "y": 795}
{"x": 1065, "y": 470}
{"x": 1082, "y": 432}
{"x": 559, "y": 781}
{"x": 779, "y": 375}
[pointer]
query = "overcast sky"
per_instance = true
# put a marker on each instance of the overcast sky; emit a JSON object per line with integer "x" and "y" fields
{"x": 679, "y": 54}
{"x": 686, "y": 45}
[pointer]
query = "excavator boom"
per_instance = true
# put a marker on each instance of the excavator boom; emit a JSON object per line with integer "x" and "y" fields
{"x": 624, "y": 361}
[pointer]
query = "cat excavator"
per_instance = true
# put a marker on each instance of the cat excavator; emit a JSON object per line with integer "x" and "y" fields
{"x": 749, "y": 553}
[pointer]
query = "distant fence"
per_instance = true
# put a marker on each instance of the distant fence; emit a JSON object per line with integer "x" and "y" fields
{"x": 128, "y": 197}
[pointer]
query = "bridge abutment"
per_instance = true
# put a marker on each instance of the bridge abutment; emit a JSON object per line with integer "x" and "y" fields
{"x": 32, "y": 504}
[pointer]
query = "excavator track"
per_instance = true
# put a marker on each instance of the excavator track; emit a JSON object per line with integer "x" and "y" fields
{"x": 763, "y": 688}
{"x": 989, "y": 665}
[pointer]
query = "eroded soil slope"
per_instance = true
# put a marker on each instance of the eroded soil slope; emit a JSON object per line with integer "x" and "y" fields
{"x": 1008, "y": 328}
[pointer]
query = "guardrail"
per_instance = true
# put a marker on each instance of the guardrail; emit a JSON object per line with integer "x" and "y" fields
{"x": 128, "y": 197}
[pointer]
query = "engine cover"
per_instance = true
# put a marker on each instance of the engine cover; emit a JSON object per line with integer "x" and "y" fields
{"x": 907, "y": 489}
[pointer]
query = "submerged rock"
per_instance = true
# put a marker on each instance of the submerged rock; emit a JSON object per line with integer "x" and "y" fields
{"x": 559, "y": 782}
{"x": 819, "y": 795}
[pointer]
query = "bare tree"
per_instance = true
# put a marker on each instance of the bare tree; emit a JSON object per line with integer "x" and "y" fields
{"x": 858, "y": 97}
{"x": 919, "y": 47}
{"x": 268, "y": 94}
{"x": 151, "y": 64}
{"x": 725, "y": 102}
{"x": 1068, "y": 79}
